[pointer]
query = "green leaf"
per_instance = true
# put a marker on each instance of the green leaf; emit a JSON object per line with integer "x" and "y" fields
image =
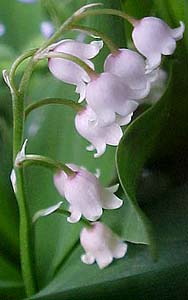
{"x": 136, "y": 276}
{"x": 9, "y": 244}
{"x": 11, "y": 285}
{"x": 134, "y": 150}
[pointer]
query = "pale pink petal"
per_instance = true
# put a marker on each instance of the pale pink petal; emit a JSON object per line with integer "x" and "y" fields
{"x": 129, "y": 65}
{"x": 92, "y": 213}
{"x": 81, "y": 89}
{"x": 120, "y": 250}
{"x": 81, "y": 50}
{"x": 128, "y": 107}
{"x": 88, "y": 259}
{"x": 113, "y": 188}
{"x": 153, "y": 62}
{"x": 75, "y": 215}
{"x": 177, "y": 33}
{"x": 124, "y": 120}
{"x": 90, "y": 148}
{"x": 104, "y": 259}
{"x": 101, "y": 148}
{"x": 113, "y": 135}
{"x": 59, "y": 181}
{"x": 110, "y": 201}
{"x": 108, "y": 95}
{"x": 66, "y": 71}
{"x": 170, "y": 46}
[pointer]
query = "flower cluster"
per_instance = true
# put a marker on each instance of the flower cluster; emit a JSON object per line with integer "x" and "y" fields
{"x": 110, "y": 98}
{"x": 113, "y": 96}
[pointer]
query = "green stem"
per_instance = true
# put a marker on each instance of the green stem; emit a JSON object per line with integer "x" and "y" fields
{"x": 111, "y": 45}
{"x": 76, "y": 106}
{"x": 31, "y": 159}
{"x": 26, "y": 234}
{"x": 108, "y": 11}
{"x": 16, "y": 64}
{"x": 65, "y": 26}
{"x": 91, "y": 73}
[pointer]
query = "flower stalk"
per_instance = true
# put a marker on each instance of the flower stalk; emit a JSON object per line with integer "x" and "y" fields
{"x": 108, "y": 11}
{"x": 31, "y": 159}
{"x": 47, "y": 101}
{"x": 95, "y": 33}
{"x": 91, "y": 73}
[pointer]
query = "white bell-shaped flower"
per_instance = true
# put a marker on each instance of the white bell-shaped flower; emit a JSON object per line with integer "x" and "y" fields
{"x": 153, "y": 37}
{"x": 131, "y": 67}
{"x": 88, "y": 127}
{"x": 85, "y": 194}
{"x": 101, "y": 245}
{"x": 69, "y": 71}
{"x": 109, "y": 96}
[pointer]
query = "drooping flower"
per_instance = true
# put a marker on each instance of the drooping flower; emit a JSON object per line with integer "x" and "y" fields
{"x": 101, "y": 245}
{"x": 153, "y": 37}
{"x": 109, "y": 96}
{"x": 88, "y": 127}
{"x": 69, "y": 71}
{"x": 131, "y": 67}
{"x": 85, "y": 194}
{"x": 47, "y": 28}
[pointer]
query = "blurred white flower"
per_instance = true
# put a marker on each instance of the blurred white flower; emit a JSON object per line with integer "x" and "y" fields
{"x": 69, "y": 71}
{"x": 88, "y": 127}
{"x": 101, "y": 245}
{"x": 153, "y": 37}
{"x": 47, "y": 29}
{"x": 2, "y": 29}
{"x": 85, "y": 194}
{"x": 27, "y": 1}
{"x": 157, "y": 87}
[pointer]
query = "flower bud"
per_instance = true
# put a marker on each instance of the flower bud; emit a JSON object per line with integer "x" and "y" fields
{"x": 101, "y": 245}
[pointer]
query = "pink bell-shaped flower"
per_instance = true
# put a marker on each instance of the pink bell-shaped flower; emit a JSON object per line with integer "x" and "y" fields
{"x": 153, "y": 37}
{"x": 109, "y": 96}
{"x": 101, "y": 245}
{"x": 69, "y": 71}
{"x": 85, "y": 194}
{"x": 131, "y": 67}
{"x": 88, "y": 127}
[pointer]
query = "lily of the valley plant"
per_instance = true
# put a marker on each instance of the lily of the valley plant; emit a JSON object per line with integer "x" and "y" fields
{"x": 109, "y": 101}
